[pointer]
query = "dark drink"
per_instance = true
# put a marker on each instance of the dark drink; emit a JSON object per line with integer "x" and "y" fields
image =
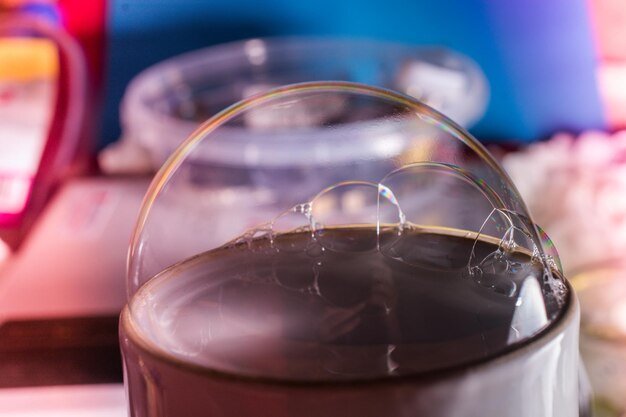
{"x": 284, "y": 327}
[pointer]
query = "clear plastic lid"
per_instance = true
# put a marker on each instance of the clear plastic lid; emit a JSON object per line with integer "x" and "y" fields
{"x": 369, "y": 236}
{"x": 166, "y": 102}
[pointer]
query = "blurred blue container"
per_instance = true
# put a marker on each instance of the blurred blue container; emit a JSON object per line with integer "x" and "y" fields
{"x": 537, "y": 55}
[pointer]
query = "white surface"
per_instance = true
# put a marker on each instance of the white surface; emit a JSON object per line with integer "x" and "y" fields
{"x": 5, "y": 252}
{"x": 25, "y": 116}
{"x": 64, "y": 401}
{"x": 25, "y": 113}
{"x": 73, "y": 263}
{"x": 530, "y": 313}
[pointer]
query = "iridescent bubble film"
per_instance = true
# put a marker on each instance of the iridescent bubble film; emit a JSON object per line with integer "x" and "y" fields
{"x": 373, "y": 240}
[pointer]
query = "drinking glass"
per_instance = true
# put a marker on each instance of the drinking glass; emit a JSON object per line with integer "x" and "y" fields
{"x": 335, "y": 249}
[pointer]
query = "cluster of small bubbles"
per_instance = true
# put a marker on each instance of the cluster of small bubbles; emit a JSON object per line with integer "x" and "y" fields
{"x": 536, "y": 256}
{"x": 550, "y": 259}
{"x": 373, "y": 209}
{"x": 294, "y": 220}
{"x": 554, "y": 284}
{"x": 495, "y": 271}
{"x": 248, "y": 237}
{"x": 508, "y": 243}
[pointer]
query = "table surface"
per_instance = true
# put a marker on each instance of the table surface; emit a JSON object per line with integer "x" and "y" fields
{"x": 60, "y": 297}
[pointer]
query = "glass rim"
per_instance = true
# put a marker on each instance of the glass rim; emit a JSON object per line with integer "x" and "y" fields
{"x": 234, "y": 50}
{"x": 567, "y": 315}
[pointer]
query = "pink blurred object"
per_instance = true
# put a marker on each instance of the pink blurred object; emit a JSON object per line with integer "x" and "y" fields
{"x": 609, "y": 21}
{"x": 612, "y": 85}
{"x": 575, "y": 189}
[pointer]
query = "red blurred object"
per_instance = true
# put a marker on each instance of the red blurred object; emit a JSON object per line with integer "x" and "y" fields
{"x": 85, "y": 21}
{"x": 27, "y": 195}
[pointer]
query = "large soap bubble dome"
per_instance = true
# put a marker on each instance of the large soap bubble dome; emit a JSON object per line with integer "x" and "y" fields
{"x": 357, "y": 234}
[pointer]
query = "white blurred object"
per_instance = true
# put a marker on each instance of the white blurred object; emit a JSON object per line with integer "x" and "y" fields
{"x": 612, "y": 85}
{"x": 64, "y": 401}
{"x": 575, "y": 189}
{"x": 530, "y": 312}
{"x": 443, "y": 89}
{"x": 5, "y": 252}
{"x": 125, "y": 156}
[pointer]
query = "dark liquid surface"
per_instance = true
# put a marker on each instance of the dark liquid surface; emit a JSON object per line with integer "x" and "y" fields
{"x": 296, "y": 310}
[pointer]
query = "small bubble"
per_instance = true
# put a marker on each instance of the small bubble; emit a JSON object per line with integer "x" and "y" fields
{"x": 550, "y": 249}
{"x": 304, "y": 208}
{"x": 536, "y": 256}
{"x": 433, "y": 194}
{"x": 505, "y": 287}
{"x": 495, "y": 263}
{"x": 515, "y": 267}
{"x": 496, "y": 272}
{"x": 508, "y": 246}
{"x": 501, "y": 284}
{"x": 286, "y": 231}
{"x": 475, "y": 272}
{"x": 351, "y": 204}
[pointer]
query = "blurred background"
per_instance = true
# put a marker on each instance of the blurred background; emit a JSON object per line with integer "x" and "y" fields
{"x": 542, "y": 59}
{"x": 89, "y": 111}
